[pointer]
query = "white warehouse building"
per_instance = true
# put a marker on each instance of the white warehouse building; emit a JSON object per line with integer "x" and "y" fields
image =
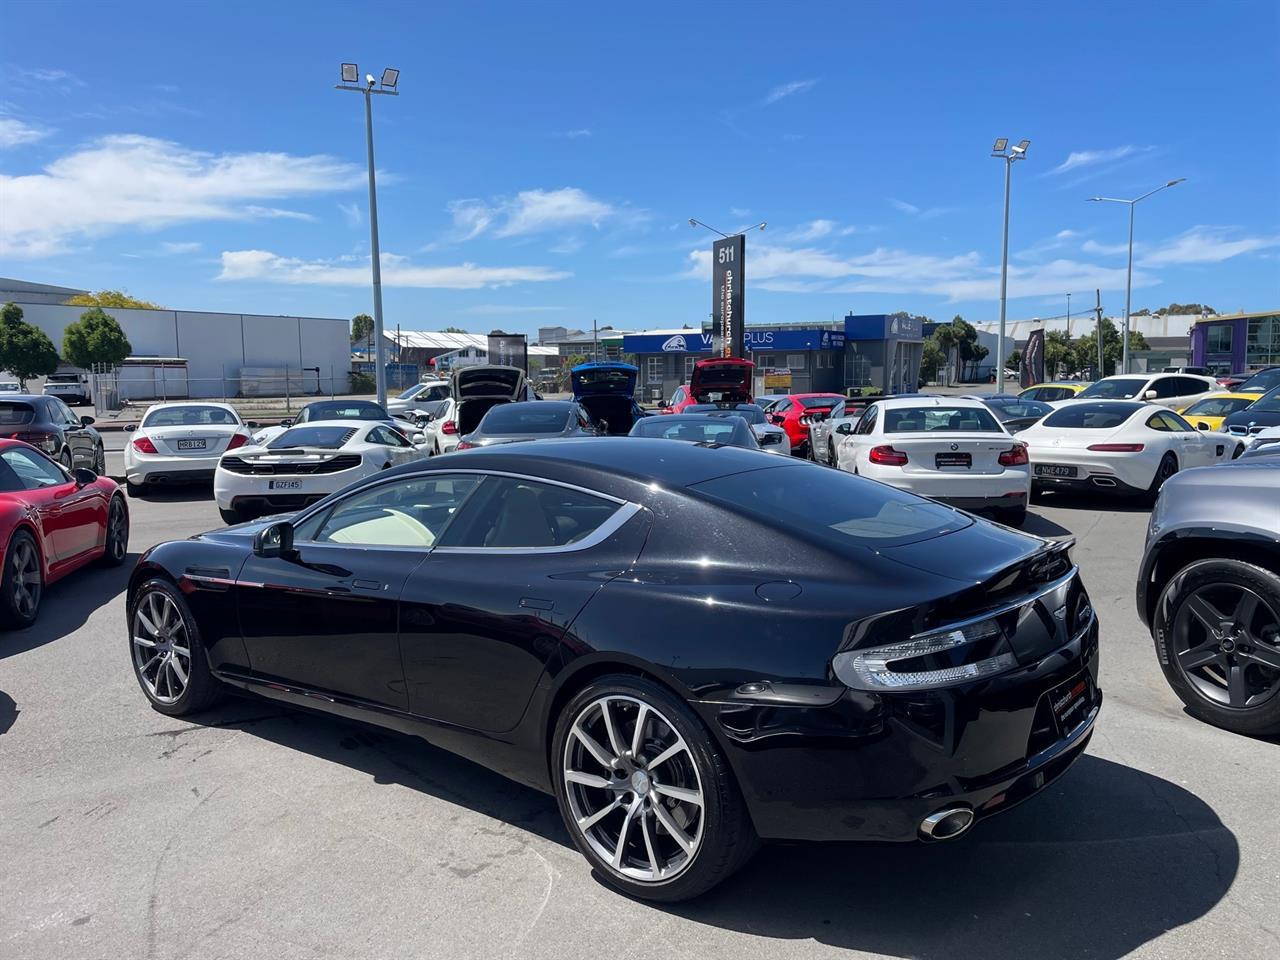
{"x": 204, "y": 354}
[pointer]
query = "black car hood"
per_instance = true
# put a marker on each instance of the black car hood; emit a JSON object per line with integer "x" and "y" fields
{"x": 1251, "y": 418}
{"x": 242, "y": 532}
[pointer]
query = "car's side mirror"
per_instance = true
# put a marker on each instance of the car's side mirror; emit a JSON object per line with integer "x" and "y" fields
{"x": 130, "y": 427}
{"x": 1149, "y": 395}
{"x": 845, "y": 428}
{"x": 252, "y": 424}
{"x": 602, "y": 426}
{"x": 86, "y": 421}
{"x": 83, "y": 476}
{"x": 286, "y": 423}
{"x": 1202, "y": 425}
{"x": 274, "y": 541}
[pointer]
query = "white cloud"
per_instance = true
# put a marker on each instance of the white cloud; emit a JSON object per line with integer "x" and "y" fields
{"x": 352, "y": 213}
{"x": 16, "y": 133}
{"x": 1067, "y": 235}
{"x": 1203, "y": 244}
{"x": 785, "y": 90}
{"x": 528, "y": 212}
{"x": 1103, "y": 249}
{"x": 1091, "y": 158}
{"x": 578, "y": 134}
{"x": 919, "y": 213}
{"x": 905, "y": 207}
{"x": 131, "y": 181}
{"x": 184, "y": 246}
{"x": 397, "y": 271}
{"x": 813, "y": 230}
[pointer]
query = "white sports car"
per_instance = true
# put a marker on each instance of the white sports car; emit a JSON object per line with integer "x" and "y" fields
{"x": 1118, "y": 446}
{"x": 181, "y": 443}
{"x": 417, "y": 395}
{"x": 945, "y": 448}
{"x": 355, "y": 411}
{"x": 304, "y": 464}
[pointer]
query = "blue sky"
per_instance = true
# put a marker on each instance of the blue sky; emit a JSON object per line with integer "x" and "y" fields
{"x": 542, "y": 161}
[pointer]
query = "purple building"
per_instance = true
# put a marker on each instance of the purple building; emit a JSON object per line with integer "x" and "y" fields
{"x": 1236, "y": 343}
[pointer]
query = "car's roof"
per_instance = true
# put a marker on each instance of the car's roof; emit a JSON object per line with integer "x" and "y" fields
{"x": 820, "y": 393}
{"x": 898, "y": 403}
{"x": 23, "y": 396}
{"x": 540, "y": 404}
{"x": 191, "y": 403}
{"x": 349, "y": 424}
{"x": 644, "y": 459}
{"x": 1133, "y": 406}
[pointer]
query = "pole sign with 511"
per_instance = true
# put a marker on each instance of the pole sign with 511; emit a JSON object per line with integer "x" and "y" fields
{"x": 728, "y": 317}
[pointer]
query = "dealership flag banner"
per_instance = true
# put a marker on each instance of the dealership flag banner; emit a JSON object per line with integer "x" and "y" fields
{"x": 728, "y": 324}
{"x": 509, "y": 350}
{"x": 1031, "y": 370}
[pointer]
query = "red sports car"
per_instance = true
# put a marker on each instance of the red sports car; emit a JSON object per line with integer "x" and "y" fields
{"x": 793, "y": 414}
{"x": 714, "y": 380}
{"x": 52, "y": 521}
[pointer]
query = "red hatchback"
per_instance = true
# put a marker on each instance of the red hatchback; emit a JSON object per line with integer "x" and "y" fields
{"x": 52, "y": 521}
{"x": 793, "y": 414}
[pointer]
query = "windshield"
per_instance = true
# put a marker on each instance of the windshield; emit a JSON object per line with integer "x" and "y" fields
{"x": 1123, "y": 388}
{"x": 413, "y": 391}
{"x": 940, "y": 420}
{"x": 1261, "y": 382}
{"x": 1018, "y": 409}
{"x": 532, "y": 417}
{"x": 16, "y": 414}
{"x": 1268, "y": 404}
{"x": 1093, "y": 416}
{"x": 1217, "y": 406}
{"x": 341, "y": 410}
{"x": 62, "y": 378}
{"x": 747, "y": 411}
{"x": 328, "y": 438}
{"x": 190, "y": 417}
{"x": 833, "y": 506}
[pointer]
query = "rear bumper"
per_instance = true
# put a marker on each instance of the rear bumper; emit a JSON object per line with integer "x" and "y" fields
{"x": 870, "y": 767}
{"x": 144, "y": 469}
{"x": 1011, "y": 501}
{"x": 1099, "y": 483}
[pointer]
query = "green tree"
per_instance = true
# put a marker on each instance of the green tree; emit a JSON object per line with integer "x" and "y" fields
{"x": 95, "y": 338}
{"x": 966, "y": 342}
{"x": 1086, "y": 347}
{"x": 1014, "y": 360}
{"x": 945, "y": 336}
{"x": 932, "y": 359}
{"x": 454, "y": 330}
{"x": 1059, "y": 352}
{"x": 116, "y": 299}
{"x": 25, "y": 351}
{"x": 361, "y": 328}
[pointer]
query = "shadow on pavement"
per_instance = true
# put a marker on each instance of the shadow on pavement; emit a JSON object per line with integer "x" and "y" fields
{"x": 175, "y": 493}
{"x": 1104, "y": 861}
{"x": 8, "y": 712}
{"x": 1043, "y": 526}
{"x": 67, "y": 604}
{"x": 1098, "y": 503}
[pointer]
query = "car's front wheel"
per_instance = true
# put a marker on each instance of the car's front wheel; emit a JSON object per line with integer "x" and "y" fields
{"x": 168, "y": 657}
{"x": 645, "y": 793}
{"x": 1218, "y": 624}
{"x": 116, "y": 547}
{"x": 22, "y": 583}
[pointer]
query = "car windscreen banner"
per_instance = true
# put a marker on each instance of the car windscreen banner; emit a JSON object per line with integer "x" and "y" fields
{"x": 1031, "y": 370}
{"x": 509, "y": 350}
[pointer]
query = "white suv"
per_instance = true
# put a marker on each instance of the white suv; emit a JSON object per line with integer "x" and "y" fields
{"x": 1175, "y": 390}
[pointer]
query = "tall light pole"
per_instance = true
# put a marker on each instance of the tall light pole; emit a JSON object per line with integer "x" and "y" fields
{"x": 387, "y": 87}
{"x": 1128, "y": 284}
{"x": 1009, "y": 155}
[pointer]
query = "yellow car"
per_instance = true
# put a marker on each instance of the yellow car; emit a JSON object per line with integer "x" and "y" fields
{"x": 1208, "y": 412}
{"x": 1055, "y": 390}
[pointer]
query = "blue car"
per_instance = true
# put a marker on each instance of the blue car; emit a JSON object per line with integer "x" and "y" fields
{"x": 607, "y": 391}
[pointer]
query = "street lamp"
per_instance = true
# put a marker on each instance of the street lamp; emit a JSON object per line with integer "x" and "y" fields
{"x": 1008, "y": 154}
{"x": 386, "y": 87}
{"x": 698, "y": 223}
{"x": 1128, "y": 284}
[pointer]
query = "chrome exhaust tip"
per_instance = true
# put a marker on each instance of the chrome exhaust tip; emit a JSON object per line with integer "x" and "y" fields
{"x": 947, "y": 823}
{"x": 1103, "y": 482}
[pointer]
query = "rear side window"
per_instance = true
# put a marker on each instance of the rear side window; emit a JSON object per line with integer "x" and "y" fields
{"x": 16, "y": 414}
{"x": 409, "y": 512}
{"x": 1092, "y": 416}
{"x": 511, "y": 512}
{"x": 836, "y": 507}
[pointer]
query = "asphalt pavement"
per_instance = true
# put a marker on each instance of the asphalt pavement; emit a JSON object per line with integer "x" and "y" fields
{"x": 254, "y": 831}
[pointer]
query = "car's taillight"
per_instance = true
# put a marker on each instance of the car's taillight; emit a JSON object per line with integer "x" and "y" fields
{"x": 927, "y": 661}
{"x": 887, "y": 456}
{"x": 237, "y": 440}
{"x": 1117, "y": 447}
{"x": 806, "y": 420}
{"x": 48, "y": 442}
{"x": 1015, "y": 456}
{"x": 465, "y": 445}
{"x": 144, "y": 445}
{"x": 449, "y": 427}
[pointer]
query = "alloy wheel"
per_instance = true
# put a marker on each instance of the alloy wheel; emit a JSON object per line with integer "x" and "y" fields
{"x": 100, "y": 462}
{"x": 1226, "y": 642}
{"x": 25, "y": 576}
{"x": 117, "y": 531}
{"x": 161, "y": 648}
{"x": 65, "y": 459}
{"x": 633, "y": 789}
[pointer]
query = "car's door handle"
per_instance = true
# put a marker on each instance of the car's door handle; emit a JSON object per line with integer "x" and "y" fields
{"x": 535, "y": 603}
{"x": 366, "y": 584}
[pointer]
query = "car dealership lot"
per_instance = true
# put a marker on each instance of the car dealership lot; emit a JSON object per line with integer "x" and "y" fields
{"x": 261, "y": 832}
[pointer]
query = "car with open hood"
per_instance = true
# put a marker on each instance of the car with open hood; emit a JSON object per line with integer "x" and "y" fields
{"x": 607, "y": 391}
{"x": 474, "y": 390}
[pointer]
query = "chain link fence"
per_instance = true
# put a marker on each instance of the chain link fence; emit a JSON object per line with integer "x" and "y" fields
{"x": 124, "y": 390}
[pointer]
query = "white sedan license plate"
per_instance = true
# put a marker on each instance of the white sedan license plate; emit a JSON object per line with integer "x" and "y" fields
{"x": 284, "y": 484}
{"x": 192, "y": 444}
{"x": 1055, "y": 470}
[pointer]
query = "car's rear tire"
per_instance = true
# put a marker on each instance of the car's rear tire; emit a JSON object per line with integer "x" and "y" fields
{"x": 234, "y": 515}
{"x": 664, "y": 831}
{"x": 166, "y": 652}
{"x": 1168, "y": 467}
{"x": 22, "y": 584}
{"x": 1224, "y": 664}
{"x": 116, "y": 547}
{"x": 134, "y": 489}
